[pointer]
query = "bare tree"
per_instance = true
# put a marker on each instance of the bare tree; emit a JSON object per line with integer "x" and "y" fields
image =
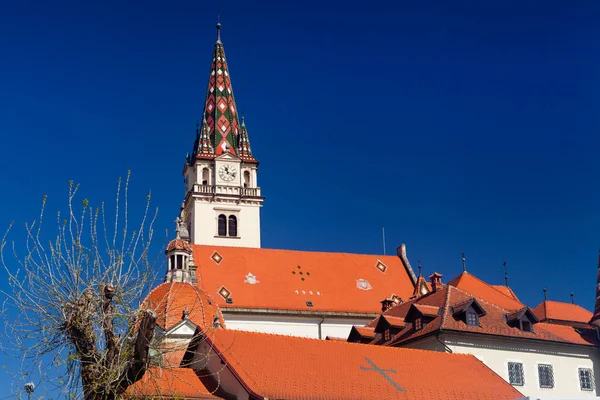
{"x": 72, "y": 311}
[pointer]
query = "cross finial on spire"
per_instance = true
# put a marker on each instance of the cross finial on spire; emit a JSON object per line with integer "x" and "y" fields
{"x": 218, "y": 26}
{"x": 464, "y": 261}
{"x": 505, "y": 274}
{"x": 419, "y": 265}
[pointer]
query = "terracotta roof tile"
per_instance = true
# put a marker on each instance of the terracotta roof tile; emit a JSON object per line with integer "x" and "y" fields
{"x": 288, "y": 279}
{"x": 395, "y": 322}
{"x": 366, "y": 332}
{"x": 179, "y": 244}
{"x": 480, "y": 289}
{"x": 170, "y": 383}
{"x": 427, "y": 310}
{"x": 556, "y": 310}
{"x": 506, "y": 291}
{"x": 171, "y": 300}
{"x": 284, "y": 367}
{"x": 492, "y": 323}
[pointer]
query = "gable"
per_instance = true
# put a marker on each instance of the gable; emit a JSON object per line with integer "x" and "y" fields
{"x": 309, "y": 282}
{"x": 227, "y": 157}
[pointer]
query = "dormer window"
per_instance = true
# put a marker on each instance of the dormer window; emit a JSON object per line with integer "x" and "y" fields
{"x": 418, "y": 324}
{"x": 468, "y": 311}
{"x": 420, "y": 315}
{"x": 522, "y": 319}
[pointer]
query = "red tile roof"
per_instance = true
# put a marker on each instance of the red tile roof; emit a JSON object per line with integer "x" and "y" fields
{"x": 179, "y": 244}
{"x": 556, "y": 310}
{"x": 426, "y": 310}
{"x": 180, "y": 383}
{"x": 366, "y": 331}
{"x": 285, "y": 367}
{"x": 482, "y": 290}
{"x": 171, "y": 300}
{"x": 492, "y": 322}
{"x": 288, "y": 279}
{"x": 506, "y": 291}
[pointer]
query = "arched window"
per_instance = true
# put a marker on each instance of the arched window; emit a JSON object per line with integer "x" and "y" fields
{"x": 232, "y": 225}
{"x": 222, "y": 228}
{"x": 205, "y": 174}
{"x": 246, "y": 179}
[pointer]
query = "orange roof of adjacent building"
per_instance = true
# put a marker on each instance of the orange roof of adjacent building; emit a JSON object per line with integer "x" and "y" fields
{"x": 285, "y": 367}
{"x": 493, "y": 321}
{"x": 180, "y": 383}
{"x": 482, "y": 290}
{"x": 559, "y": 311}
{"x": 294, "y": 280}
{"x": 506, "y": 291}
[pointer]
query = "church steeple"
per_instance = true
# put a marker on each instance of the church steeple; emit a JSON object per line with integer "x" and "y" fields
{"x": 596, "y": 317}
{"x": 223, "y": 200}
{"x": 220, "y": 110}
{"x": 244, "y": 150}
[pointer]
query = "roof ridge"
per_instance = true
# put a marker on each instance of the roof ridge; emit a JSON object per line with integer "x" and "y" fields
{"x": 446, "y": 306}
{"x": 298, "y": 251}
{"x": 513, "y": 296}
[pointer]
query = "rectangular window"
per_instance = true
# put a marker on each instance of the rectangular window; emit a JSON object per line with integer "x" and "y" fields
{"x": 386, "y": 335}
{"x": 515, "y": 374}
{"x": 586, "y": 379}
{"x": 418, "y": 324}
{"x": 472, "y": 319}
{"x": 546, "y": 376}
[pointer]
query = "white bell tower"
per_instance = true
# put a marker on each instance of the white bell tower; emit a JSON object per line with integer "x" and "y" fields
{"x": 223, "y": 199}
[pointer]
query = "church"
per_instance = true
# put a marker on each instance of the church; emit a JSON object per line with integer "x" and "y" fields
{"x": 243, "y": 322}
{"x": 218, "y": 246}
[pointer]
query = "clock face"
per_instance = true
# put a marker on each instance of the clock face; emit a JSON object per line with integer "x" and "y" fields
{"x": 227, "y": 172}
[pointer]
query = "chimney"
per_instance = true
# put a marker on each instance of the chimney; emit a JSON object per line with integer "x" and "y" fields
{"x": 386, "y": 304}
{"x": 436, "y": 281}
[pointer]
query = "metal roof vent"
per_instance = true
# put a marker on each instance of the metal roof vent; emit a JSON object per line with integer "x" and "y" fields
{"x": 229, "y": 300}
{"x": 309, "y": 304}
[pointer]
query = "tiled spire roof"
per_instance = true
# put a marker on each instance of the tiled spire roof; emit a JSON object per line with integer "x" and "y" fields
{"x": 596, "y": 318}
{"x": 204, "y": 146}
{"x": 220, "y": 111}
{"x": 244, "y": 150}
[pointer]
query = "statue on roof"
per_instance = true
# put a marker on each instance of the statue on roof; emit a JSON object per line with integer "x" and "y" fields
{"x": 182, "y": 231}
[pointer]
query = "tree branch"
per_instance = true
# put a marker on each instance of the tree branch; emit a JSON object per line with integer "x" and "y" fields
{"x": 138, "y": 362}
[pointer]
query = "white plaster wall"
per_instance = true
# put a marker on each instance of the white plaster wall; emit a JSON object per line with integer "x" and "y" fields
{"x": 205, "y": 224}
{"x": 565, "y": 360}
{"x": 293, "y": 325}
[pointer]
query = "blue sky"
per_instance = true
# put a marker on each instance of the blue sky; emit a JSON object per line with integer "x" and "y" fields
{"x": 462, "y": 126}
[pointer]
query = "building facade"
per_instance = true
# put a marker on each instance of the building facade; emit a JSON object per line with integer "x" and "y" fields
{"x": 551, "y": 350}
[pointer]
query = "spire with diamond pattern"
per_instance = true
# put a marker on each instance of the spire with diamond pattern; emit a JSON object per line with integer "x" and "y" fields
{"x": 204, "y": 145}
{"x": 220, "y": 111}
{"x": 244, "y": 150}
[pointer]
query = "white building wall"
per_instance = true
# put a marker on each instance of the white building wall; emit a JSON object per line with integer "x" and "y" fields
{"x": 294, "y": 325}
{"x": 205, "y": 224}
{"x": 496, "y": 353}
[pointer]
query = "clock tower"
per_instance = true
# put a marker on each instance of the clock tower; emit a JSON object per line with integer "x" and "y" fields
{"x": 223, "y": 200}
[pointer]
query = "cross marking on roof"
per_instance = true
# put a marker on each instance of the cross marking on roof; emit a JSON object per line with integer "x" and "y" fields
{"x": 382, "y": 372}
